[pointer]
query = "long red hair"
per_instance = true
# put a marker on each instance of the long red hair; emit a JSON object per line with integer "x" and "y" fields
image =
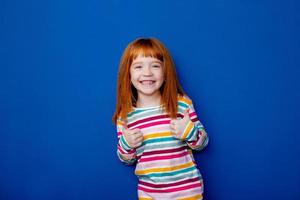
{"x": 127, "y": 94}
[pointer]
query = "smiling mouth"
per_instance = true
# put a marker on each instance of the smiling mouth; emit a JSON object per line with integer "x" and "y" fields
{"x": 148, "y": 82}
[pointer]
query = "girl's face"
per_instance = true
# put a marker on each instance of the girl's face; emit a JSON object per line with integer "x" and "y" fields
{"x": 146, "y": 75}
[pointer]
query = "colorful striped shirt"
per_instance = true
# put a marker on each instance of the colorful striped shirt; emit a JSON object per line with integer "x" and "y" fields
{"x": 165, "y": 165}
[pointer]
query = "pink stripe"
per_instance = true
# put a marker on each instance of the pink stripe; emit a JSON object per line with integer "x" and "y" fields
{"x": 147, "y": 153}
{"x": 164, "y": 185}
{"x": 195, "y": 119}
{"x": 171, "y": 189}
{"x": 121, "y": 150}
{"x": 154, "y": 123}
{"x": 119, "y": 134}
{"x": 152, "y": 118}
{"x": 180, "y": 115}
{"x": 163, "y": 157}
{"x": 194, "y": 143}
{"x": 147, "y": 120}
{"x": 192, "y": 114}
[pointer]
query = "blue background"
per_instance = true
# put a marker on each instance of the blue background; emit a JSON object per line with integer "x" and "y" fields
{"x": 238, "y": 61}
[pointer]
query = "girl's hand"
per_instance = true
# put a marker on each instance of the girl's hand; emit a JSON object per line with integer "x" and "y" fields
{"x": 134, "y": 137}
{"x": 179, "y": 125}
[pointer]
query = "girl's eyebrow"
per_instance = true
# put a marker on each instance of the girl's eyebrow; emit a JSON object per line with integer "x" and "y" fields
{"x": 157, "y": 62}
{"x": 136, "y": 63}
{"x": 140, "y": 62}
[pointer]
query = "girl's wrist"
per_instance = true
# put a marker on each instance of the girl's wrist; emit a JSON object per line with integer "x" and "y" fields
{"x": 124, "y": 144}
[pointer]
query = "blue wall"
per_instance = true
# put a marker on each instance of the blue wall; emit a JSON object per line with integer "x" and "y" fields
{"x": 238, "y": 61}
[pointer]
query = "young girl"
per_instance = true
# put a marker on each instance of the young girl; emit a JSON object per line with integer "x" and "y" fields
{"x": 157, "y": 125}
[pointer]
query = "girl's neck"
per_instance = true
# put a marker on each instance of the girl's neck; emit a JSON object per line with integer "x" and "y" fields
{"x": 148, "y": 101}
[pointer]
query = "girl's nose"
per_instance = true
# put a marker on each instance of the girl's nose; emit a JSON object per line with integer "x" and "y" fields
{"x": 147, "y": 71}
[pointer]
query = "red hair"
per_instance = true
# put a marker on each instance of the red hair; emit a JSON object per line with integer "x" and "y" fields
{"x": 127, "y": 94}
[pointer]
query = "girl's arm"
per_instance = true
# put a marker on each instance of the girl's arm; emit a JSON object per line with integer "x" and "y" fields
{"x": 194, "y": 133}
{"x": 125, "y": 153}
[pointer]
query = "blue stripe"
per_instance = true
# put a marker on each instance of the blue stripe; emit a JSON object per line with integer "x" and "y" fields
{"x": 159, "y": 140}
{"x": 134, "y": 112}
{"x": 124, "y": 144}
{"x": 162, "y": 174}
{"x": 183, "y": 104}
{"x": 191, "y": 134}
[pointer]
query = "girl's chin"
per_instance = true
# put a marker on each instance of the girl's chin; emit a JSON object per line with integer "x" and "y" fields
{"x": 148, "y": 92}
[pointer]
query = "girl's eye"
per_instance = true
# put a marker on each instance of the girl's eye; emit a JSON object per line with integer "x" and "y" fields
{"x": 137, "y": 67}
{"x": 156, "y": 66}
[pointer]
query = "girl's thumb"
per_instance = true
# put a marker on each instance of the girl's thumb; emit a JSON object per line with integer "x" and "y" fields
{"x": 186, "y": 113}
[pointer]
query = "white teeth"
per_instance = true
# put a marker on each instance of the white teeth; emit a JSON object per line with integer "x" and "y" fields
{"x": 147, "y": 82}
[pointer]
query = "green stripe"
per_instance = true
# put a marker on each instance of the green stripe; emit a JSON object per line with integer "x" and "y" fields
{"x": 159, "y": 140}
{"x": 183, "y": 104}
{"x": 134, "y": 112}
{"x": 191, "y": 133}
{"x": 162, "y": 174}
{"x": 139, "y": 114}
{"x": 124, "y": 144}
{"x": 192, "y": 174}
{"x": 160, "y": 146}
{"x": 204, "y": 144}
{"x": 139, "y": 151}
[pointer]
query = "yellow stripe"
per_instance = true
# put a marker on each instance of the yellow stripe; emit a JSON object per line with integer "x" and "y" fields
{"x": 185, "y": 100}
{"x": 164, "y": 169}
{"x": 156, "y": 135}
{"x": 187, "y": 130}
{"x": 144, "y": 198}
{"x": 195, "y": 197}
{"x": 119, "y": 123}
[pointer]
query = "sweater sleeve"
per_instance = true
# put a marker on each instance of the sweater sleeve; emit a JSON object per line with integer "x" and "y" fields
{"x": 125, "y": 153}
{"x": 194, "y": 134}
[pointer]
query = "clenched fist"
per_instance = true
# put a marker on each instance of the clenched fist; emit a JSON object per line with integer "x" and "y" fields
{"x": 178, "y": 125}
{"x": 134, "y": 137}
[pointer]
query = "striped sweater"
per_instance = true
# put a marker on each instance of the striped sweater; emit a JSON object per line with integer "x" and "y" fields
{"x": 165, "y": 165}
